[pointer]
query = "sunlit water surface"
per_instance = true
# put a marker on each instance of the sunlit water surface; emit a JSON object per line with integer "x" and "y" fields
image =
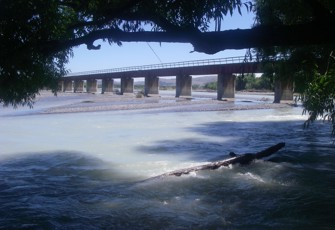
{"x": 87, "y": 171}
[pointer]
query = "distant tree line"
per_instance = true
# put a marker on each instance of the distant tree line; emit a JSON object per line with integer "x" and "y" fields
{"x": 251, "y": 82}
{"x": 248, "y": 82}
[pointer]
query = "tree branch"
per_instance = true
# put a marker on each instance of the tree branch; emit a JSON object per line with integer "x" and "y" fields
{"x": 243, "y": 159}
{"x": 213, "y": 42}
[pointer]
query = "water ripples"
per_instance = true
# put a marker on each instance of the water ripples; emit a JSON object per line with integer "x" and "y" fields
{"x": 76, "y": 189}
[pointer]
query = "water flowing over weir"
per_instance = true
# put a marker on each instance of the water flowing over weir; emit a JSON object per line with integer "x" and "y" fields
{"x": 72, "y": 171}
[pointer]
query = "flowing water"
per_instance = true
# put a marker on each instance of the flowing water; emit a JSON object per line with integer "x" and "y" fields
{"x": 89, "y": 171}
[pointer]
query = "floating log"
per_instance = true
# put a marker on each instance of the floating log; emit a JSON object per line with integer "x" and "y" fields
{"x": 243, "y": 159}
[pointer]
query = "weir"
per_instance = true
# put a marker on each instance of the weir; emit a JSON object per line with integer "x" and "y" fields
{"x": 224, "y": 68}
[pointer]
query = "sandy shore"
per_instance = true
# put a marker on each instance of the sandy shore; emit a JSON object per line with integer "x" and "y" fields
{"x": 47, "y": 103}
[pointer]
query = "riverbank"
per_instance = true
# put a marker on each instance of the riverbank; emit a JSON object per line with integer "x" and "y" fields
{"x": 47, "y": 103}
{"x": 201, "y": 101}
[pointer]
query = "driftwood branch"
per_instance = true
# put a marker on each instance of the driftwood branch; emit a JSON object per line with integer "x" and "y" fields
{"x": 236, "y": 159}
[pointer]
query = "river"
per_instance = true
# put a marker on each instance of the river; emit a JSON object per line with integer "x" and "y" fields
{"x": 87, "y": 170}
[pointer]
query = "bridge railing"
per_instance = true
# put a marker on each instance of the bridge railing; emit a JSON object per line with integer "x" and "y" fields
{"x": 217, "y": 61}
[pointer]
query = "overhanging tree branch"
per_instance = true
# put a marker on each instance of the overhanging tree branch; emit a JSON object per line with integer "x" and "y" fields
{"x": 213, "y": 42}
{"x": 36, "y": 40}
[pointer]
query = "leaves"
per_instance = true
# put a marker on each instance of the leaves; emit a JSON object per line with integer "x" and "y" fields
{"x": 36, "y": 40}
{"x": 319, "y": 99}
{"x": 25, "y": 65}
{"x": 308, "y": 66}
{"x": 36, "y": 36}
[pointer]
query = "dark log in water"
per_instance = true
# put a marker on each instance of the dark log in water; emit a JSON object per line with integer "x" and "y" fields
{"x": 237, "y": 159}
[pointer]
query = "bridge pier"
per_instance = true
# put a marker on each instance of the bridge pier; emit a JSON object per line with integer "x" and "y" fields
{"x": 283, "y": 90}
{"x": 60, "y": 86}
{"x": 67, "y": 85}
{"x": 183, "y": 85}
{"x": 127, "y": 85}
{"x": 91, "y": 86}
{"x": 225, "y": 86}
{"x": 78, "y": 86}
{"x": 151, "y": 85}
{"x": 107, "y": 85}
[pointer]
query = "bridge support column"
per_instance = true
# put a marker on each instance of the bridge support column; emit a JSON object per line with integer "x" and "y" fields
{"x": 183, "y": 85}
{"x": 91, "y": 86}
{"x": 60, "y": 86}
{"x": 283, "y": 90}
{"x": 78, "y": 86}
{"x": 225, "y": 86}
{"x": 67, "y": 85}
{"x": 107, "y": 85}
{"x": 127, "y": 85}
{"x": 151, "y": 86}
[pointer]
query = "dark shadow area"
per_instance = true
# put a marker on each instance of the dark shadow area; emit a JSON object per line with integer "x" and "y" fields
{"x": 58, "y": 167}
{"x": 251, "y": 137}
{"x": 294, "y": 190}
{"x": 57, "y": 190}
{"x": 70, "y": 190}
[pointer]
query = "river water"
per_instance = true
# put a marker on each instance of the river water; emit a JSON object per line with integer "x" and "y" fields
{"x": 89, "y": 171}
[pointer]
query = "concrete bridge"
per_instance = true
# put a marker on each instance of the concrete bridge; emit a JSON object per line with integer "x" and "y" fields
{"x": 224, "y": 68}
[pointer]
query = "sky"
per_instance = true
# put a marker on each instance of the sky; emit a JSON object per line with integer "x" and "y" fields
{"x": 142, "y": 53}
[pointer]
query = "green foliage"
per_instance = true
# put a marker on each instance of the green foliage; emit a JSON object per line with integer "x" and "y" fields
{"x": 211, "y": 86}
{"x": 298, "y": 63}
{"x": 319, "y": 98}
{"x": 251, "y": 82}
{"x": 196, "y": 86}
{"x": 240, "y": 83}
{"x": 25, "y": 67}
{"x": 307, "y": 66}
{"x": 265, "y": 82}
{"x": 36, "y": 36}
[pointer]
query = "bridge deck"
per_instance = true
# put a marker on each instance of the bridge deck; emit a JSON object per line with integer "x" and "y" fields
{"x": 196, "y": 67}
{"x": 223, "y": 67}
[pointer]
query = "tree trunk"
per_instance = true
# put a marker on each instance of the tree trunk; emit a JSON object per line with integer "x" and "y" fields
{"x": 240, "y": 159}
{"x": 278, "y": 91}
